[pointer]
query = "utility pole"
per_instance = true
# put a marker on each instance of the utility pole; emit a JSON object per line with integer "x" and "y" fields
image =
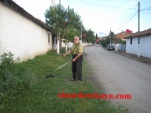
{"x": 58, "y": 36}
{"x": 81, "y": 32}
{"x": 67, "y": 21}
{"x": 138, "y": 29}
{"x": 53, "y": 2}
{"x": 138, "y": 22}
{"x": 110, "y": 35}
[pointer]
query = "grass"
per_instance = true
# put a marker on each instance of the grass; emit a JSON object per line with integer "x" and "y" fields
{"x": 43, "y": 98}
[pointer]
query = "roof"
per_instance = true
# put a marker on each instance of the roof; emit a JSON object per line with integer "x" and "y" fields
{"x": 25, "y": 13}
{"x": 122, "y": 35}
{"x": 142, "y": 33}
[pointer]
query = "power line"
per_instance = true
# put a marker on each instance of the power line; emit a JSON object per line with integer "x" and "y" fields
{"x": 149, "y": 8}
{"x": 106, "y": 5}
{"x": 129, "y": 15}
{"x": 146, "y": 6}
{"x": 145, "y": 9}
{"x": 126, "y": 22}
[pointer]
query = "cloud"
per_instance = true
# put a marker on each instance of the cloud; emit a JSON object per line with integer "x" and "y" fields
{"x": 101, "y": 34}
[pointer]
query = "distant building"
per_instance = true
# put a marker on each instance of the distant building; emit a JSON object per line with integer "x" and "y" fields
{"x": 124, "y": 34}
{"x": 141, "y": 49}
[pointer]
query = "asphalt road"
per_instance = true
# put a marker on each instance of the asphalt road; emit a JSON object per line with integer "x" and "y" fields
{"x": 121, "y": 75}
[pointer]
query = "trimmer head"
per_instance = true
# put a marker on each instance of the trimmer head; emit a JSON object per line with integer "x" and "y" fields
{"x": 48, "y": 76}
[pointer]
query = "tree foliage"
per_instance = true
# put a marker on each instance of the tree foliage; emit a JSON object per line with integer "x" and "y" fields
{"x": 63, "y": 20}
{"x": 70, "y": 34}
{"x": 90, "y": 37}
{"x": 96, "y": 36}
{"x": 55, "y": 18}
{"x": 66, "y": 22}
{"x": 106, "y": 40}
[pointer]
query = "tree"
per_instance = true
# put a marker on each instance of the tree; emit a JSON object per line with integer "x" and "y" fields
{"x": 70, "y": 34}
{"x": 114, "y": 40}
{"x": 90, "y": 38}
{"x": 55, "y": 18}
{"x": 61, "y": 20}
{"x": 105, "y": 41}
{"x": 96, "y": 36}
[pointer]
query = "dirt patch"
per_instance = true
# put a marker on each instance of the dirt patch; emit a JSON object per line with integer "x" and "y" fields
{"x": 135, "y": 57}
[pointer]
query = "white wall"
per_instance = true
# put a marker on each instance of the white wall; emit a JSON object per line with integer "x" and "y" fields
{"x": 69, "y": 44}
{"x": 120, "y": 47}
{"x": 63, "y": 44}
{"x": 24, "y": 38}
{"x": 132, "y": 48}
{"x": 144, "y": 49}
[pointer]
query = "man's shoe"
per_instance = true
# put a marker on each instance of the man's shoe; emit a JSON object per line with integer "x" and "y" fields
{"x": 73, "y": 79}
{"x": 79, "y": 81}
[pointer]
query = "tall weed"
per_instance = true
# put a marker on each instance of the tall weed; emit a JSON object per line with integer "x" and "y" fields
{"x": 14, "y": 79}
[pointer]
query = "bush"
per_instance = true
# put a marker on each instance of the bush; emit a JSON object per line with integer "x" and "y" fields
{"x": 105, "y": 42}
{"x": 7, "y": 59}
{"x": 14, "y": 79}
{"x": 123, "y": 42}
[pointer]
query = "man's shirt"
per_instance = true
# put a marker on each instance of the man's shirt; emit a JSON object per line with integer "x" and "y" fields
{"x": 77, "y": 48}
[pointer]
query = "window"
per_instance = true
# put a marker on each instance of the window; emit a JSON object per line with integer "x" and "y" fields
{"x": 138, "y": 40}
{"x": 131, "y": 40}
{"x": 48, "y": 37}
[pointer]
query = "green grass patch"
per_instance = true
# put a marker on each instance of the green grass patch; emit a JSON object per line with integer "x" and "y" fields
{"x": 43, "y": 96}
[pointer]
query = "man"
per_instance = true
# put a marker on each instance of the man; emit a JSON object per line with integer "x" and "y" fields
{"x": 77, "y": 57}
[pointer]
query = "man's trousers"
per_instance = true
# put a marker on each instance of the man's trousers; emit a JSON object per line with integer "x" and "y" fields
{"x": 77, "y": 67}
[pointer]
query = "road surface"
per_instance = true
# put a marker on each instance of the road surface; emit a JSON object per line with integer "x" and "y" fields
{"x": 121, "y": 75}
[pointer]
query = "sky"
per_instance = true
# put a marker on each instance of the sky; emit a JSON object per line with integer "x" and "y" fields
{"x": 99, "y": 15}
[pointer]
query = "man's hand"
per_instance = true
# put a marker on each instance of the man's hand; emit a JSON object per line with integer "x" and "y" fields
{"x": 64, "y": 55}
{"x": 79, "y": 54}
{"x": 73, "y": 60}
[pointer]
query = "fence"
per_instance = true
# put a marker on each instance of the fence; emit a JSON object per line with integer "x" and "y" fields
{"x": 120, "y": 47}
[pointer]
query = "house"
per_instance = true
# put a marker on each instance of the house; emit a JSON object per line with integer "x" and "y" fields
{"x": 121, "y": 35}
{"x": 142, "y": 47}
{"x": 124, "y": 34}
{"x": 21, "y": 33}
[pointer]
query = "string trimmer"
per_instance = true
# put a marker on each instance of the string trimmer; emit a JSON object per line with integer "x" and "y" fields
{"x": 50, "y": 75}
